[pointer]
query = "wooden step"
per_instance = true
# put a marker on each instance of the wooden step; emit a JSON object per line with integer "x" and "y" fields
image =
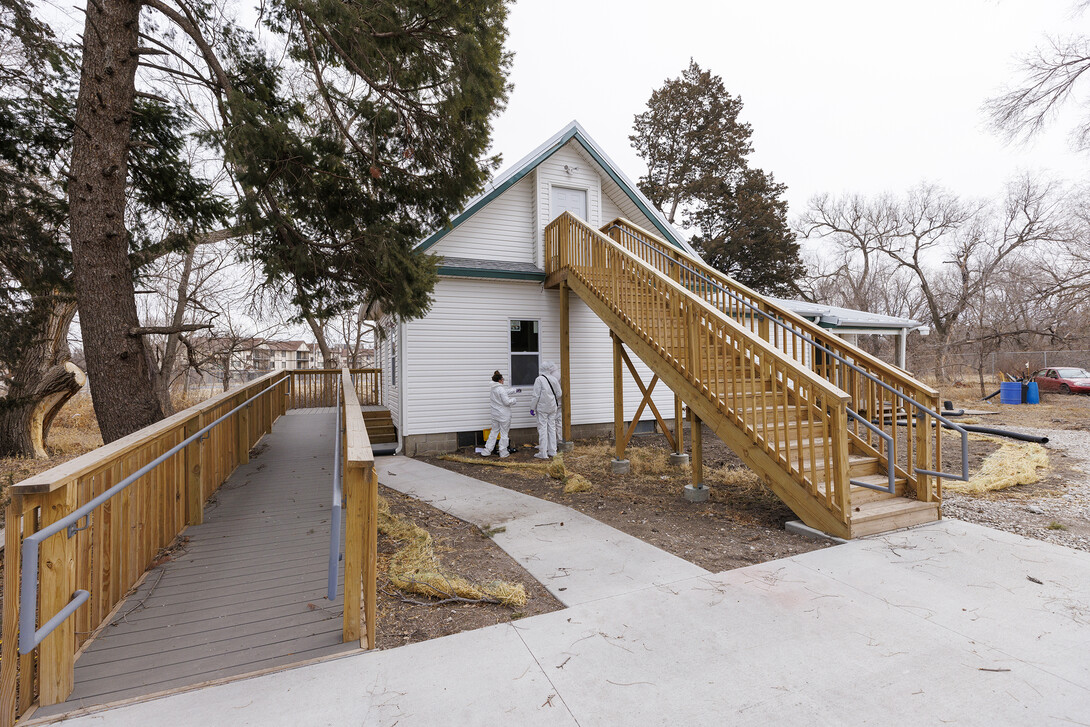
{"x": 859, "y": 466}
{"x": 881, "y": 516}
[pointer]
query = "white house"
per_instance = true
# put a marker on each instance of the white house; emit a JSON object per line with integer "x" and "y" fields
{"x": 491, "y": 310}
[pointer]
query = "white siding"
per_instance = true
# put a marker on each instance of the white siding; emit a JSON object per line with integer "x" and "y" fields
{"x": 450, "y": 356}
{"x": 502, "y": 230}
{"x": 583, "y": 175}
{"x": 391, "y": 392}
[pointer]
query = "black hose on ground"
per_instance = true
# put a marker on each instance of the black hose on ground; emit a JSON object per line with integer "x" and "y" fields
{"x": 1002, "y": 433}
{"x": 989, "y": 396}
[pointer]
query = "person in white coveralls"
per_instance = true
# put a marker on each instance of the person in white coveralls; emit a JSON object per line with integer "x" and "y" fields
{"x": 545, "y": 405}
{"x": 501, "y": 400}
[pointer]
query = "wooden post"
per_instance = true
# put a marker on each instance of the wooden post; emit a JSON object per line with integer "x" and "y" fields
{"x": 696, "y": 435}
{"x": 244, "y": 430}
{"x": 9, "y": 655}
{"x": 56, "y": 654}
{"x": 355, "y": 490}
{"x": 370, "y": 562}
{"x": 565, "y": 363}
{"x": 194, "y": 468}
{"x": 837, "y": 472}
{"x": 924, "y": 451}
{"x": 618, "y": 397}
{"x": 679, "y": 427}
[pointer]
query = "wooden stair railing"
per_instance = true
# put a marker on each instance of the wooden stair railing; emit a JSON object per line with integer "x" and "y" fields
{"x": 916, "y": 451}
{"x": 778, "y": 415}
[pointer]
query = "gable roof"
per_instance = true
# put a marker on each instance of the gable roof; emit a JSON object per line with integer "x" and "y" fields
{"x": 573, "y": 131}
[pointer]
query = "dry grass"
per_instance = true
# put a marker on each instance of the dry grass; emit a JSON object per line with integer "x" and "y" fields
{"x": 739, "y": 486}
{"x": 415, "y": 568}
{"x": 553, "y": 468}
{"x": 1014, "y": 463}
{"x": 577, "y": 483}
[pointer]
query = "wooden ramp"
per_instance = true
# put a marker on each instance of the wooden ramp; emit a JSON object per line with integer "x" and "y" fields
{"x": 245, "y": 593}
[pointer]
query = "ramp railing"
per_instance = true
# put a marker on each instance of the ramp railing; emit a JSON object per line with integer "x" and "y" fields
{"x": 312, "y": 388}
{"x": 359, "y": 489}
{"x": 80, "y": 536}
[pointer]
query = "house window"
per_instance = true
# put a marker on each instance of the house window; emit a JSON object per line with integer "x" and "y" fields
{"x": 525, "y": 352}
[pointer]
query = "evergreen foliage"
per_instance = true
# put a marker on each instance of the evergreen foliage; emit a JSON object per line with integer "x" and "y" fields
{"x": 698, "y": 173}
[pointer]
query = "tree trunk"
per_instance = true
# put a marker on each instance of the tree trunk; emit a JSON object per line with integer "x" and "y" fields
{"x": 164, "y": 375}
{"x": 319, "y": 336}
{"x": 41, "y": 384}
{"x": 117, "y": 362}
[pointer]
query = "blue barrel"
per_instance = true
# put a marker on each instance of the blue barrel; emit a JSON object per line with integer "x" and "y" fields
{"x": 1033, "y": 396}
{"x": 1010, "y": 392}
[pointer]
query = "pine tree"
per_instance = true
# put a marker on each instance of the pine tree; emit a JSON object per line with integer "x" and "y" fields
{"x": 379, "y": 135}
{"x": 698, "y": 174}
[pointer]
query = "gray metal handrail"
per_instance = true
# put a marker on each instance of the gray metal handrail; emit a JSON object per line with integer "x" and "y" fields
{"x": 963, "y": 477}
{"x": 29, "y": 637}
{"x": 338, "y": 503}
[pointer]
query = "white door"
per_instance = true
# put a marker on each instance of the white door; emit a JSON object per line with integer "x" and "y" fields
{"x": 570, "y": 200}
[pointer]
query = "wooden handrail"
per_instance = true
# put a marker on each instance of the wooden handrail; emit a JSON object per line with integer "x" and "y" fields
{"x": 909, "y": 450}
{"x": 744, "y": 377}
{"x": 109, "y": 554}
{"x": 312, "y": 388}
{"x": 361, "y": 520}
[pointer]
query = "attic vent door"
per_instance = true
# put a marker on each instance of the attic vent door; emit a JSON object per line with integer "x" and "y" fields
{"x": 570, "y": 200}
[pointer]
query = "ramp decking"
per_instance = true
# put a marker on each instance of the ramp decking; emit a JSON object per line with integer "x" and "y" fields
{"x": 245, "y": 593}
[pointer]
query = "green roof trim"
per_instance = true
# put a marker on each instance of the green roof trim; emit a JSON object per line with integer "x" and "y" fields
{"x": 648, "y": 213}
{"x": 483, "y": 201}
{"x": 572, "y": 133}
{"x": 450, "y": 272}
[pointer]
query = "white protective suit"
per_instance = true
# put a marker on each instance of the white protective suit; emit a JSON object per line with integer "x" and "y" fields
{"x": 501, "y": 400}
{"x": 546, "y": 405}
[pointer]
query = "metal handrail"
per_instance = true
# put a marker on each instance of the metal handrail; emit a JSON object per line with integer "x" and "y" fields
{"x": 963, "y": 477}
{"x": 338, "y": 503}
{"x": 29, "y": 637}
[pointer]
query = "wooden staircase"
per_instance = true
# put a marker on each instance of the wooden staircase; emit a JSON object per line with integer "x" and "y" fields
{"x": 380, "y": 426}
{"x": 761, "y": 378}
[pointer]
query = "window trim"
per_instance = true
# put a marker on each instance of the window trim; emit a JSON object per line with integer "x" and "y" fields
{"x": 510, "y": 353}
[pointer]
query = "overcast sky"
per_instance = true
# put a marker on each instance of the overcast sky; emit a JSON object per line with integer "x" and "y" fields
{"x": 843, "y": 95}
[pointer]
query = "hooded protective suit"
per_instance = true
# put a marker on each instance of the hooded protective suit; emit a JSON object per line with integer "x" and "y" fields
{"x": 501, "y": 399}
{"x": 546, "y": 405}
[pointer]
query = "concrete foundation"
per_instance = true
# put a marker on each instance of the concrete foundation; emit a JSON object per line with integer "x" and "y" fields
{"x": 563, "y": 447}
{"x": 620, "y": 466}
{"x": 678, "y": 460}
{"x": 697, "y": 494}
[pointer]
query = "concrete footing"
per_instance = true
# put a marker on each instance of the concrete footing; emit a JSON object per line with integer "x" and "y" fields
{"x": 678, "y": 460}
{"x": 565, "y": 446}
{"x": 620, "y": 466}
{"x": 697, "y": 494}
{"x": 800, "y": 528}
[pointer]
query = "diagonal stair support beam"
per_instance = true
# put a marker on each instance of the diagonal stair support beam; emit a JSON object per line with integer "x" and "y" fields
{"x": 644, "y": 403}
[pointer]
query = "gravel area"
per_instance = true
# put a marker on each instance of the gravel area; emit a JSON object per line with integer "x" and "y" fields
{"x": 1056, "y": 510}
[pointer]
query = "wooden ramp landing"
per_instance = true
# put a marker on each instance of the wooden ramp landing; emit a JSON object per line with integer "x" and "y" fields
{"x": 246, "y": 592}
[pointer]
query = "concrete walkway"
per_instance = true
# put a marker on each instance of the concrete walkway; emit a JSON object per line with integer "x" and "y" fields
{"x": 576, "y": 557}
{"x": 948, "y": 623}
{"x": 941, "y": 624}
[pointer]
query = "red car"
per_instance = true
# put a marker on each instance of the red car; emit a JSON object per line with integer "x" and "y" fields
{"x": 1063, "y": 380}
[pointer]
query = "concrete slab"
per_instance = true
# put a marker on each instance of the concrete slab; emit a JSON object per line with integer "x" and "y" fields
{"x": 455, "y": 680}
{"x": 867, "y": 633}
{"x": 576, "y": 557}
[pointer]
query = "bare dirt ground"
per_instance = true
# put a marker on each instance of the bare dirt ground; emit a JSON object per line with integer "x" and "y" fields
{"x": 1057, "y": 507}
{"x": 741, "y": 524}
{"x": 463, "y": 550}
